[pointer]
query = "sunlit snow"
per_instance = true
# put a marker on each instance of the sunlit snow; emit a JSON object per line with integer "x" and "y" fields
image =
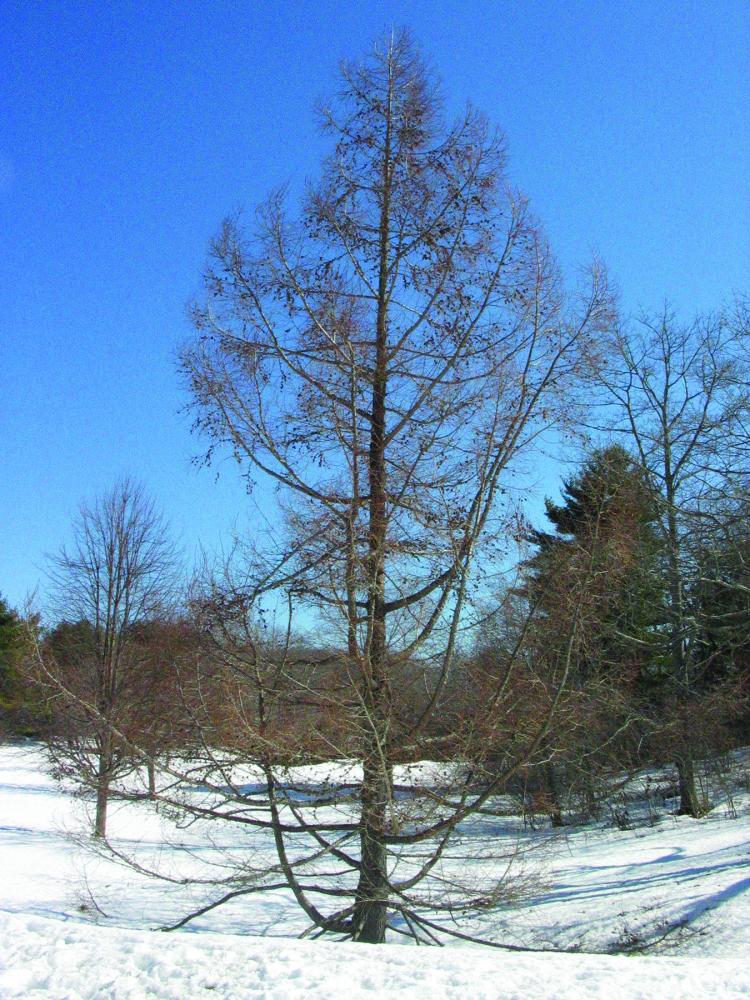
{"x": 672, "y": 892}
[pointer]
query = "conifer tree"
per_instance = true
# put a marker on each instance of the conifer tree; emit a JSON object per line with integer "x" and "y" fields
{"x": 604, "y": 556}
{"x": 608, "y": 514}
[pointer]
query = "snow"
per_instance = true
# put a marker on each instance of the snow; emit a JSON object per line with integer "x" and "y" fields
{"x": 53, "y": 959}
{"x": 675, "y": 886}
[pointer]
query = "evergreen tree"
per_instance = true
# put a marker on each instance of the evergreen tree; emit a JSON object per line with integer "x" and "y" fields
{"x": 11, "y": 644}
{"x": 605, "y": 526}
{"x": 20, "y": 710}
{"x": 602, "y": 562}
{"x": 721, "y": 605}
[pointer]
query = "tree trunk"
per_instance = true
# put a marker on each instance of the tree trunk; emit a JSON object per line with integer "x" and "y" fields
{"x": 689, "y": 799}
{"x": 371, "y": 903}
{"x": 371, "y": 906}
{"x": 103, "y": 778}
{"x": 591, "y": 799}
{"x": 555, "y": 811}
{"x": 150, "y": 767}
{"x": 690, "y": 802}
{"x": 102, "y": 797}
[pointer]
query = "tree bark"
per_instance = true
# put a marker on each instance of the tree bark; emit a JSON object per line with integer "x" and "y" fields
{"x": 555, "y": 811}
{"x": 690, "y": 802}
{"x": 371, "y": 906}
{"x": 689, "y": 799}
{"x": 102, "y": 798}
{"x": 372, "y": 891}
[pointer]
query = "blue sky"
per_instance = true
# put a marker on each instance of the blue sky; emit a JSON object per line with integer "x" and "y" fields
{"x": 128, "y": 130}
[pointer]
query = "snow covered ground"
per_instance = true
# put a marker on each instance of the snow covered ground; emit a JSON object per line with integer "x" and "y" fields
{"x": 675, "y": 892}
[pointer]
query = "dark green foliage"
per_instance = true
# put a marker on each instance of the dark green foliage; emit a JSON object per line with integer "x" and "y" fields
{"x": 21, "y": 709}
{"x": 597, "y": 586}
{"x": 605, "y": 540}
{"x": 11, "y": 647}
{"x": 608, "y": 488}
{"x": 71, "y": 642}
{"x": 721, "y": 604}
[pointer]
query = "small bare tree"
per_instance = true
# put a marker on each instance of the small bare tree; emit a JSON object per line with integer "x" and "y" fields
{"x": 115, "y": 577}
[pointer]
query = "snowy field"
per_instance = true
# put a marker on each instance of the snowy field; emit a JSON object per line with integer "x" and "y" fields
{"x": 673, "y": 893}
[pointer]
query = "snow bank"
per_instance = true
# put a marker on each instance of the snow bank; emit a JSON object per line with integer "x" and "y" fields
{"x": 680, "y": 886}
{"x": 50, "y": 959}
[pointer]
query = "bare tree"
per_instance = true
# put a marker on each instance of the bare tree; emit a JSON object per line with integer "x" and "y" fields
{"x": 384, "y": 359}
{"x": 115, "y": 577}
{"x": 678, "y": 394}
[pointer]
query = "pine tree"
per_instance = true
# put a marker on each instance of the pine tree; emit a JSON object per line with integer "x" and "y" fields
{"x": 20, "y": 712}
{"x": 721, "y": 606}
{"x": 603, "y": 561}
{"x": 607, "y": 522}
{"x": 11, "y": 642}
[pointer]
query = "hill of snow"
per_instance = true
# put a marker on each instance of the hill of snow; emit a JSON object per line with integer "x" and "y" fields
{"x": 675, "y": 893}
